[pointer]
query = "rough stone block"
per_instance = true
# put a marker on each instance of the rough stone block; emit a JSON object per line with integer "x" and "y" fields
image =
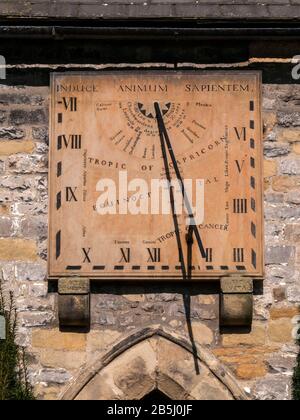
{"x": 273, "y": 387}
{"x": 279, "y": 254}
{"x": 53, "y": 376}
{"x": 289, "y": 119}
{"x": 23, "y": 117}
{"x": 41, "y": 134}
{"x": 290, "y": 166}
{"x": 30, "y": 271}
{"x": 6, "y": 227}
{"x": 34, "y": 227}
{"x": 11, "y": 133}
{"x": 272, "y": 150}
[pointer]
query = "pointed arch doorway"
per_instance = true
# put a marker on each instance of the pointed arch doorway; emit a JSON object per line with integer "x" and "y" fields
{"x": 155, "y": 362}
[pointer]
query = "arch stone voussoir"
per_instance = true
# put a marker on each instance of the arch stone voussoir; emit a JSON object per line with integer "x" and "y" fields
{"x": 154, "y": 358}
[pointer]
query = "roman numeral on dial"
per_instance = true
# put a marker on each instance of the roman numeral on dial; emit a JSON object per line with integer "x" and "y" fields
{"x": 70, "y": 104}
{"x": 72, "y": 141}
{"x": 240, "y": 133}
{"x": 209, "y": 255}
{"x": 86, "y": 254}
{"x": 240, "y": 165}
{"x": 71, "y": 194}
{"x": 240, "y": 205}
{"x": 154, "y": 255}
{"x": 125, "y": 255}
{"x": 238, "y": 255}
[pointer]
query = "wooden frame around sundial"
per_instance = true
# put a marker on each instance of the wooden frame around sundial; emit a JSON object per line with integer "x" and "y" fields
{"x": 104, "y": 124}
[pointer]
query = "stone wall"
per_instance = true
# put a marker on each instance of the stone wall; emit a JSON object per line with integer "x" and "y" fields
{"x": 262, "y": 360}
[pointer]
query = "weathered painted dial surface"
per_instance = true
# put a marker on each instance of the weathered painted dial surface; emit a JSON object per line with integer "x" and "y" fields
{"x": 106, "y": 157}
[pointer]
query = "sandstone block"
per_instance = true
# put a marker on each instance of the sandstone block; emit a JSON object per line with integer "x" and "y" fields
{"x": 62, "y": 359}
{"x": 270, "y": 168}
{"x": 18, "y": 250}
{"x": 284, "y": 312}
{"x": 289, "y": 135}
{"x": 202, "y": 333}
{"x": 16, "y": 147}
{"x": 280, "y": 331}
{"x": 296, "y": 148}
{"x": 285, "y": 183}
{"x": 251, "y": 371}
{"x": 256, "y": 337}
{"x": 56, "y": 340}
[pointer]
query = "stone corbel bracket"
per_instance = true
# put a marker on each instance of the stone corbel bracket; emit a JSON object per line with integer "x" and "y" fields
{"x": 236, "y": 302}
{"x": 74, "y": 303}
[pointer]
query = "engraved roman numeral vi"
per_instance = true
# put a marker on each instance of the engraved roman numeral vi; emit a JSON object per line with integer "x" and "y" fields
{"x": 241, "y": 133}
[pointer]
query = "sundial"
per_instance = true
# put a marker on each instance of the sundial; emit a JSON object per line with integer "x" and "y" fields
{"x": 156, "y": 175}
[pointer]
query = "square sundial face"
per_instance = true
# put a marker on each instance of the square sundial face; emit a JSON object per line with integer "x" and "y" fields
{"x": 124, "y": 149}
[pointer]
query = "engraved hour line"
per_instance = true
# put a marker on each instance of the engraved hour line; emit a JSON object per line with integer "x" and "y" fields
{"x": 254, "y": 258}
{"x": 58, "y": 200}
{"x": 253, "y": 229}
{"x": 99, "y": 267}
{"x": 58, "y": 244}
{"x": 59, "y": 169}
